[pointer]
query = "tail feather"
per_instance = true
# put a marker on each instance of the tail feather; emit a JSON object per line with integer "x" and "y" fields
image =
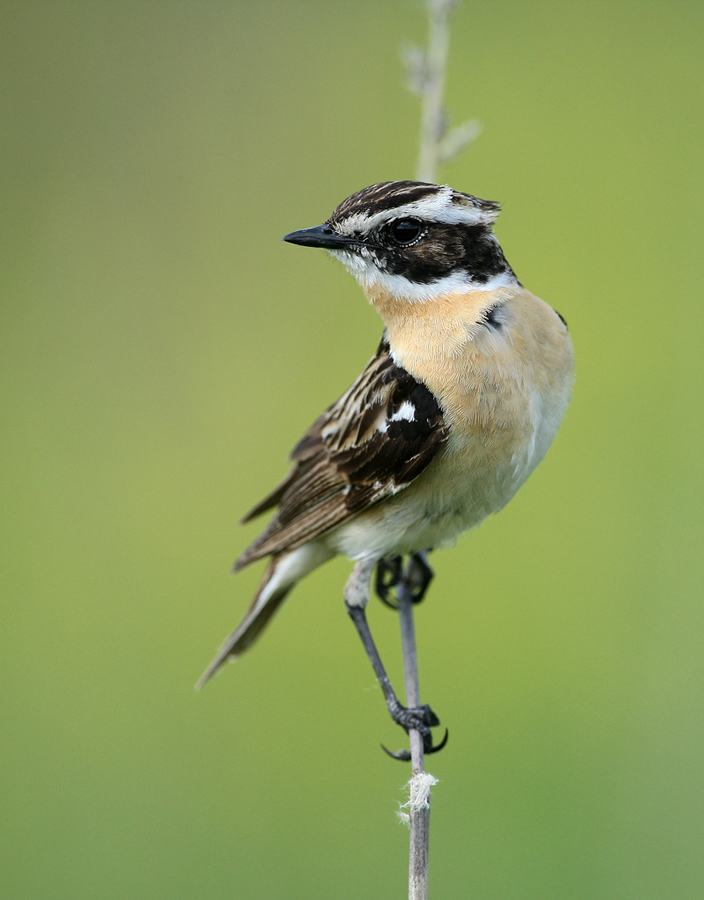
{"x": 280, "y": 577}
{"x": 262, "y": 608}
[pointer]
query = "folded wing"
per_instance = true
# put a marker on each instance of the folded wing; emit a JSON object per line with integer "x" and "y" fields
{"x": 370, "y": 444}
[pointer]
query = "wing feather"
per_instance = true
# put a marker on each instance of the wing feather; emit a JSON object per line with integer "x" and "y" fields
{"x": 370, "y": 444}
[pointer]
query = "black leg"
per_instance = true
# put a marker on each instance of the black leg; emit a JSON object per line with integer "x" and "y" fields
{"x": 422, "y": 718}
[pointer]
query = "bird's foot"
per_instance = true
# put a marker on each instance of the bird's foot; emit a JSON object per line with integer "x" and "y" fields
{"x": 388, "y": 575}
{"x": 417, "y": 718}
{"x": 419, "y": 575}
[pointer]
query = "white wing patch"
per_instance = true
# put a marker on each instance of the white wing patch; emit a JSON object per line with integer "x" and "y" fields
{"x": 373, "y": 442}
{"x": 405, "y": 412}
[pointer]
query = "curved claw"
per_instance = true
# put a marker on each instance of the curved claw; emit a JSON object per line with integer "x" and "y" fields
{"x": 403, "y": 755}
{"x": 439, "y": 746}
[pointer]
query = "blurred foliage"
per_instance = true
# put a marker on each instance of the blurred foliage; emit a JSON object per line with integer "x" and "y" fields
{"x": 162, "y": 351}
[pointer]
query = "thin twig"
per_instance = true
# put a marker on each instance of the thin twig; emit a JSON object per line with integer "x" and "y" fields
{"x": 425, "y": 76}
{"x": 410, "y": 666}
{"x": 419, "y": 801}
{"x": 438, "y": 144}
{"x": 433, "y": 124}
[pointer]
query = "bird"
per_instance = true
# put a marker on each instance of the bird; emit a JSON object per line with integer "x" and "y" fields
{"x": 456, "y": 408}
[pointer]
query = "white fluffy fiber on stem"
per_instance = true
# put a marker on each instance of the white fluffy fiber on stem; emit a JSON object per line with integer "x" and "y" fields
{"x": 419, "y": 791}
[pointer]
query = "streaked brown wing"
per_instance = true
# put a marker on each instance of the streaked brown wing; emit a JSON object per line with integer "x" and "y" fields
{"x": 368, "y": 445}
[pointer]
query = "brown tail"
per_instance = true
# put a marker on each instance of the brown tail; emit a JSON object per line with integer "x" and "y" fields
{"x": 263, "y": 607}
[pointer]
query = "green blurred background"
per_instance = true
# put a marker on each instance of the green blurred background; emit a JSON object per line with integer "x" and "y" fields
{"x": 162, "y": 351}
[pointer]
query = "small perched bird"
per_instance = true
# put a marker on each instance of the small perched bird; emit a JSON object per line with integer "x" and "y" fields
{"x": 454, "y": 411}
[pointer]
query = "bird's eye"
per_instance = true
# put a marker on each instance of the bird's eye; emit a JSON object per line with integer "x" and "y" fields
{"x": 405, "y": 231}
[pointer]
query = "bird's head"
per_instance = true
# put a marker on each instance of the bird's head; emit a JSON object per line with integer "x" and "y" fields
{"x": 414, "y": 240}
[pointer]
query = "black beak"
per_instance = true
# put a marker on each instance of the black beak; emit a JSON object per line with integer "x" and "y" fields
{"x": 320, "y": 236}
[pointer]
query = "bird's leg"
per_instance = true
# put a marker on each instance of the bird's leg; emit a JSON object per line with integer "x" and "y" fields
{"x": 388, "y": 575}
{"x": 418, "y": 575}
{"x": 421, "y": 718}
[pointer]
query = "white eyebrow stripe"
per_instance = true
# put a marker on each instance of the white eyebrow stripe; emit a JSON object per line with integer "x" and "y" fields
{"x": 437, "y": 207}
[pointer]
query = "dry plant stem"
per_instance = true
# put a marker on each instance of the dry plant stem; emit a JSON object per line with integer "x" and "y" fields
{"x": 410, "y": 668}
{"x": 432, "y": 127}
{"x": 418, "y": 813}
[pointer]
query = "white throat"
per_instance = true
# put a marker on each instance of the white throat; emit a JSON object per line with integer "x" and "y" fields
{"x": 365, "y": 270}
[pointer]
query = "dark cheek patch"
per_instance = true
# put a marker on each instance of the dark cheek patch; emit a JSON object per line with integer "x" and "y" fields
{"x": 446, "y": 249}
